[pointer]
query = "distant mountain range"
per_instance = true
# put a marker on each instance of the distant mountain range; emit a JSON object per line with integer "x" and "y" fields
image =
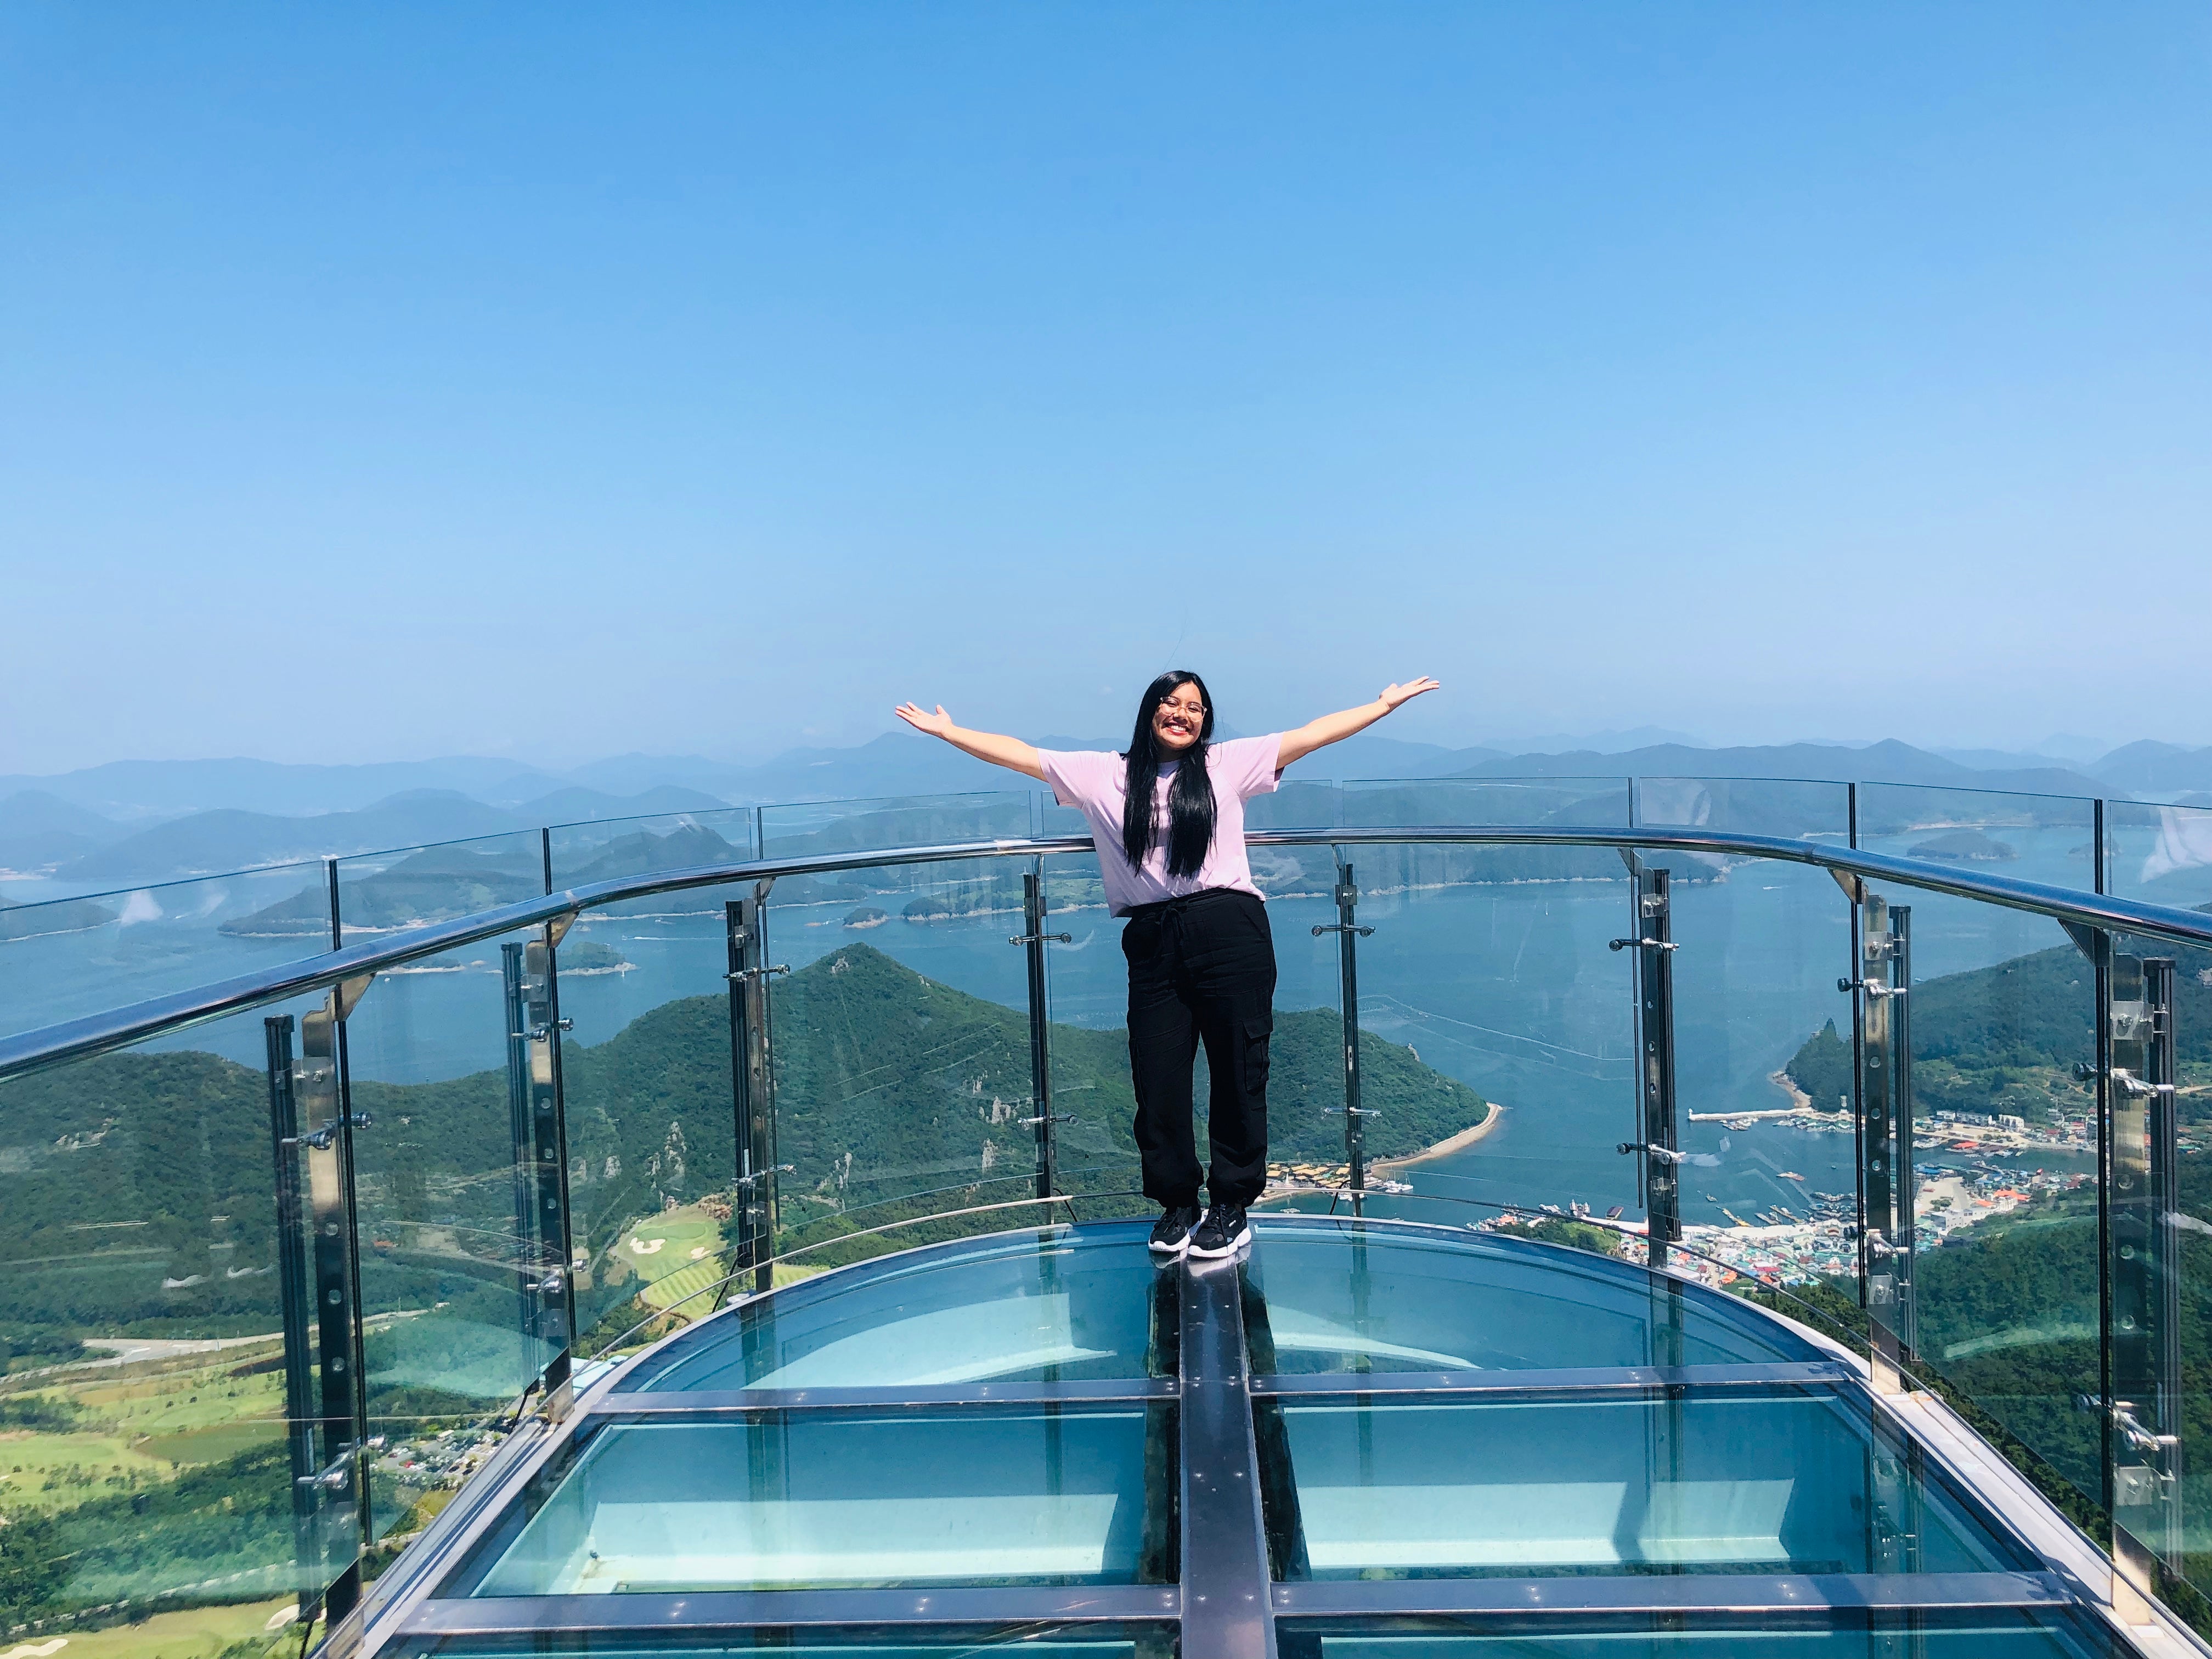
{"x": 140, "y": 821}
{"x": 1889, "y": 761}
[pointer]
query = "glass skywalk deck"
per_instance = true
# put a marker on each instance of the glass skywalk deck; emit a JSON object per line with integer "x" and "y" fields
{"x": 1366, "y": 1438}
{"x": 488, "y": 1232}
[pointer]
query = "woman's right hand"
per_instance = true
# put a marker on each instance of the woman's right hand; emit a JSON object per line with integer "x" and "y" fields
{"x": 1009, "y": 752}
{"x": 938, "y": 725}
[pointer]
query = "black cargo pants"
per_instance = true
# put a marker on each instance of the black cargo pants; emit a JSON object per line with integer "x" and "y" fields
{"x": 1202, "y": 969}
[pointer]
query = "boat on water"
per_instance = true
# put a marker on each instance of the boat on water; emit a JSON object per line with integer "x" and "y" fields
{"x": 1789, "y": 1174}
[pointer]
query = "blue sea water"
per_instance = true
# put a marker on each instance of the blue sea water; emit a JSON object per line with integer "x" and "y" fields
{"x": 1508, "y": 987}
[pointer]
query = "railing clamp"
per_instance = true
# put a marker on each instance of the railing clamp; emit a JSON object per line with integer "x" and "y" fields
{"x": 1666, "y": 1155}
{"x": 321, "y": 1138}
{"x": 1872, "y": 987}
{"x": 1340, "y": 927}
{"x": 2130, "y": 1086}
{"x": 2132, "y": 1430}
{"x": 337, "y": 1478}
{"x": 1352, "y": 1111}
{"x": 754, "y": 1179}
{"x": 540, "y": 1032}
{"x": 1041, "y": 939}
{"x": 750, "y": 974}
{"x": 1049, "y": 1117}
{"x": 1642, "y": 944}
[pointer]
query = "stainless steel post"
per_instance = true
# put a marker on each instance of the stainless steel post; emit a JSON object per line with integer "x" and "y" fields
{"x": 300, "y": 1418}
{"x": 2143, "y": 1310}
{"x": 1659, "y": 1150}
{"x": 752, "y": 1073}
{"x": 1348, "y": 934}
{"x": 1885, "y": 1090}
{"x": 328, "y": 1146}
{"x": 1041, "y": 1118}
{"x": 542, "y": 1249}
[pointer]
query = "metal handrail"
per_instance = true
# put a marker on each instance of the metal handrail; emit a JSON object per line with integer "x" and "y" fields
{"x": 116, "y": 1028}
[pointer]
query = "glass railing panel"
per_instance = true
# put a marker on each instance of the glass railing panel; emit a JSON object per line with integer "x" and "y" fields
{"x": 1547, "y": 802}
{"x": 150, "y": 1458}
{"x": 1299, "y": 803}
{"x": 903, "y": 1085}
{"x": 2159, "y": 854}
{"x": 1497, "y": 1045}
{"x": 1349, "y": 1295}
{"x": 2045, "y": 838}
{"x": 389, "y": 892}
{"x": 804, "y": 829}
{"x": 2159, "y": 1265}
{"x": 650, "y": 1093}
{"x": 64, "y": 958}
{"x": 460, "y": 1225}
{"x": 1053, "y": 1304}
{"x": 1764, "y": 1481}
{"x": 1830, "y": 1633}
{"x": 1087, "y": 999}
{"x": 1790, "y": 808}
{"x": 1763, "y": 1074}
{"x": 818, "y": 1500}
{"x": 2003, "y": 1304}
{"x": 609, "y": 849}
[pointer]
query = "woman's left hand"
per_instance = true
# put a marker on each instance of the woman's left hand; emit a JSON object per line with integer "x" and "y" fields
{"x": 1394, "y": 695}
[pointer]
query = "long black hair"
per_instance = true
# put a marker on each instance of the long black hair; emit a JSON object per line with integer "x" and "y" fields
{"x": 1190, "y": 797}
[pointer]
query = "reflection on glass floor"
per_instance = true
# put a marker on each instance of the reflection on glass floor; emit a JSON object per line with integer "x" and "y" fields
{"x": 2001, "y": 1634}
{"x": 1371, "y": 1438}
{"x": 1335, "y": 1298}
{"x": 1066, "y": 1304}
{"x": 1738, "y": 1482}
{"x": 778, "y": 1498}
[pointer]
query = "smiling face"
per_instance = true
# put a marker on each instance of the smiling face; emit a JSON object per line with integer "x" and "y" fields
{"x": 1179, "y": 718}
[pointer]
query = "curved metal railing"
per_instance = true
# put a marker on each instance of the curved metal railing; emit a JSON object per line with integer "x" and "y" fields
{"x": 117, "y": 1028}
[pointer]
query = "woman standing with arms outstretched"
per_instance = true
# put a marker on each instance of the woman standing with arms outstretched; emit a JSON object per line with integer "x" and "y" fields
{"x": 1168, "y": 819}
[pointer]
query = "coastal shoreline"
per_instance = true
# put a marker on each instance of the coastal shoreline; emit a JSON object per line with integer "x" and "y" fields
{"x": 1444, "y": 1148}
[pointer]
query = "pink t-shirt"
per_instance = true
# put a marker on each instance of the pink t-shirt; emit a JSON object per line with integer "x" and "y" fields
{"x": 1096, "y": 781}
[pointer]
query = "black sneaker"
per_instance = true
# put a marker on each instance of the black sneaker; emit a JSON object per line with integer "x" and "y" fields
{"x": 1224, "y": 1229}
{"x": 1171, "y": 1233}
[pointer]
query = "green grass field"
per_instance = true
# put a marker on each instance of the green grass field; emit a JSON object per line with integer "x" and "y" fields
{"x": 200, "y": 1634}
{"x": 45, "y": 1471}
{"x": 678, "y": 1254}
{"x": 137, "y": 1428}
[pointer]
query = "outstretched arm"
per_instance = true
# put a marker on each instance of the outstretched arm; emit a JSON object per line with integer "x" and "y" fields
{"x": 1009, "y": 752}
{"x": 1335, "y": 728}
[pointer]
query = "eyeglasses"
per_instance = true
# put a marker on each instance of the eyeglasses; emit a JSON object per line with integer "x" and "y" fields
{"x": 1195, "y": 710}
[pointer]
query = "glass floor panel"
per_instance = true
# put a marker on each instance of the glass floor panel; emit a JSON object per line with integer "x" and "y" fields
{"x": 891, "y": 1522}
{"x": 1781, "y": 1480}
{"x": 1996, "y": 1634}
{"x": 1342, "y": 1295}
{"x": 791, "y": 1500}
{"x": 1054, "y": 1304}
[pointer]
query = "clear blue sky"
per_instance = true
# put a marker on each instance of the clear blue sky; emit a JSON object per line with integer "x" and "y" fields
{"x": 384, "y": 381}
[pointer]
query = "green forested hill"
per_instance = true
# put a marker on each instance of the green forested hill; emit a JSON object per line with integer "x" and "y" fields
{"x": 135, "y": 1189}
{"x": 120, "y": 1173}
{"x": 2006, "y": 1036}
{"x": 2007, "y": 1309}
